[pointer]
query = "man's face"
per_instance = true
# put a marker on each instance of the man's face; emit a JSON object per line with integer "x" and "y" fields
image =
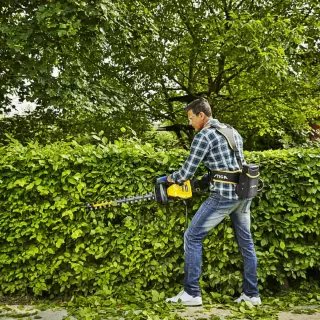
{"x": 197, "y": 121}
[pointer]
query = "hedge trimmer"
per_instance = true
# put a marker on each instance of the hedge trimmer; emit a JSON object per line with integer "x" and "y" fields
{"x": 161, "y": 194}
{"x": 247, "y": 185}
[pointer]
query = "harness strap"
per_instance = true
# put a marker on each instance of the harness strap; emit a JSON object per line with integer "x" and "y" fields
{"x": 228, "y": 132}
{"x": 229, "y": 135}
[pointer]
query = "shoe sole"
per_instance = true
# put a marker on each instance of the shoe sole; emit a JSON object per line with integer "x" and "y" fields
{"x": 188, "y": 304}
{"x": 192, "y": 304}
{"x": 254, "y": 304}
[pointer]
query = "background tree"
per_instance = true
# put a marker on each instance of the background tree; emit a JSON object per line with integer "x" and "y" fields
{"x": 134, "y": 62}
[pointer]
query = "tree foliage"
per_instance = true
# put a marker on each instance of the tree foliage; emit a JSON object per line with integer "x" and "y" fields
{"x": 257, "y": 62}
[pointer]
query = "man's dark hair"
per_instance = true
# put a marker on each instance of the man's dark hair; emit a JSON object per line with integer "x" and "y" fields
{"x": 199, "y": 105}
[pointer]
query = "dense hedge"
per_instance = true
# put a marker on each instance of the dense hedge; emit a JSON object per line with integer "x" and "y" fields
{"x": 49, "y": 244}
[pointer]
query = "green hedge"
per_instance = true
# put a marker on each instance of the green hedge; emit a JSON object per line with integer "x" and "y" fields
{"x": 50, "y": 245}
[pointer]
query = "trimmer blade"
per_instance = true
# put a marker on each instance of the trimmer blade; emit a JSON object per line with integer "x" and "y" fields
{"x": 102, "y": 205}
{"x": 145, "y": 197}
{"x": 117, "y": 202}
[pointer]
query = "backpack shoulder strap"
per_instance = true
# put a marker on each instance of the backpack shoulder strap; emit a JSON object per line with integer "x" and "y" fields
{"x": 229, "y": 135}
{"x": 228, "y": 132}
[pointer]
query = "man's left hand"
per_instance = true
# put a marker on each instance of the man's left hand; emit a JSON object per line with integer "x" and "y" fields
{"x": 162, "y": 180}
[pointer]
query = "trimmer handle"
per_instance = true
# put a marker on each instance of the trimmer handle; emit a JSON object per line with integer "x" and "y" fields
{"x": 200, "y": 185}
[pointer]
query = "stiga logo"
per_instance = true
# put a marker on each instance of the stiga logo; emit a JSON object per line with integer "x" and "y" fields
{"x": 220, "y": 176}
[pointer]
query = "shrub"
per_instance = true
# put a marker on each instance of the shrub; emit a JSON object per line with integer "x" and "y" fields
{"x": 51, "y": 245}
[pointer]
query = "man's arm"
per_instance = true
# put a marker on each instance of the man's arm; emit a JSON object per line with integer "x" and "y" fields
{"x": 199, "y": 149}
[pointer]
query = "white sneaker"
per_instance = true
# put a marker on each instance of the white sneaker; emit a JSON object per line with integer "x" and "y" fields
{"x": 185, "y": 299}
{"x": 254, "y": 300}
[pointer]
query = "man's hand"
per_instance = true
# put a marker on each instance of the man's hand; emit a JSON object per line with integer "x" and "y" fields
{"x": 200, "y": 185}
{"x": 162, "y": 180}
{"x": 205, "y": 178}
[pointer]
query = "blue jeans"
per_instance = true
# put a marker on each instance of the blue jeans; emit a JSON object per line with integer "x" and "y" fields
{"x": 209, "y": 215}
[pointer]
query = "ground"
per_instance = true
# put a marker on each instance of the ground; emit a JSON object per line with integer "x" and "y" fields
{"x": 202, "y": 313}
{"x": 27, "y": 312}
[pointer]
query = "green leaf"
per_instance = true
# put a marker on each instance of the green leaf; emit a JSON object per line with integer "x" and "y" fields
{"x": 59, "y": 242}
{"x": 30, "y": 186}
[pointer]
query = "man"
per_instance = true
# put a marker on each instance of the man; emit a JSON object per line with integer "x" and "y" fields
{"x": 211, "y": 147}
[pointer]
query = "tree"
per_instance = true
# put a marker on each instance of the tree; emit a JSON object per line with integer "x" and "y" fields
{"x": 55, "y": 53}
{"x": 256, "y": 62}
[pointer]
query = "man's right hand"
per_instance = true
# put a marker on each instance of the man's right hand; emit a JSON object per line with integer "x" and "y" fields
{"x": 200, "y": 185}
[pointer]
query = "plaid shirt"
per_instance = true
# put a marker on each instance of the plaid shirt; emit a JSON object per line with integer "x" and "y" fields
{"x": 212, "y": 148}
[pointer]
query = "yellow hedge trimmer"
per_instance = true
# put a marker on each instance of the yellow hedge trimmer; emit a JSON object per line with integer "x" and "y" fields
{"x": 247, "y": 186}
{"x": 161, "y": 193}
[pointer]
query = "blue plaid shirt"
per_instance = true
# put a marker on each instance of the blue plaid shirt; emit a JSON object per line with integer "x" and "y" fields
{"x": 212, "y": 148}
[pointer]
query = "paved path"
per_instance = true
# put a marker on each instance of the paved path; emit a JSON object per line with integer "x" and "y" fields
{"x": 194, "y": 313}
{"x": 12, "y": 312}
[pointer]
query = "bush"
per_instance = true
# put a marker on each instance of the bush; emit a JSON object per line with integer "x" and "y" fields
{"x": 51, "y": 245}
